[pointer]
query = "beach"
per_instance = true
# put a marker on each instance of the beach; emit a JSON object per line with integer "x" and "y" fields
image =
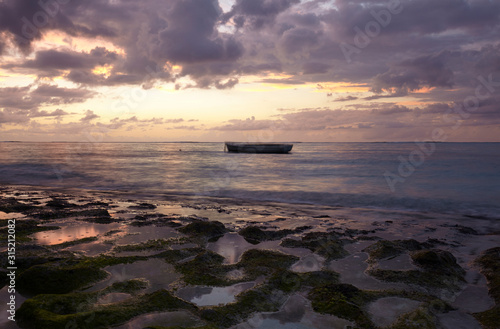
{"x": 98, "y": 259}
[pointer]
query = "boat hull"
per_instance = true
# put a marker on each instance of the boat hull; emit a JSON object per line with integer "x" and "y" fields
{"x": 258, "y": 147}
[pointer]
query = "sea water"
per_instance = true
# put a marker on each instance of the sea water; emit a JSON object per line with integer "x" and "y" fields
{"x": 441, "y": 177}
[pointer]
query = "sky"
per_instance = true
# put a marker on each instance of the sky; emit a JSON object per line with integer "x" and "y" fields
{"x": 250, "y": 70}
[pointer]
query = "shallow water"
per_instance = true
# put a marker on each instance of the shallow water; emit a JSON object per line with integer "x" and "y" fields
{"x": 232, "y": 245}
{"x": 296, "y": 313}
{"x": 113, "y": 297}
{"x": 352, "y": 270}
{"x": 72, "y": 230}
{"x": 211, "y": 296}
{"x": 385, "y": 311}
{"x": 158, "y": 273}
{"x": 182, "y": 319}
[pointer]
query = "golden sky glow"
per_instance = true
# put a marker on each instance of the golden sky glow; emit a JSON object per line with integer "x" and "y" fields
{"x": 141, "y": 72}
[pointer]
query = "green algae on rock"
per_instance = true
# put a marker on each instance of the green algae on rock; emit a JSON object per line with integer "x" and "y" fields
{"x": 342, "y": 300}
{"x": 328, "y": 245}
{"x": 57, "y": 278}
{"x": 383, "y": 249}
{"x": 39, "y": 312}
{"x": 209, "y": 229}
{"x": 490, "y": 267}
{"x": 439, "y": 272}
{"x": 255, "y": 235}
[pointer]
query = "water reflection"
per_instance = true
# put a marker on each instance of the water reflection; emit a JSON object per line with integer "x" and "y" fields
{"x": 232, "y": 245}
{"x": 297, "y": 313}
{"x": 73, "y": 231}
{"x": 352, "y": 270}
{"x": 385, "y": 311}
{"x": 181, "y": 319}
{"x": 210, "y": 296}
{"x": 158, "y": 273}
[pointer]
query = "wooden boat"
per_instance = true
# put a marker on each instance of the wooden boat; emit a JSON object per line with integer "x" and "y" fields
{"x": 258, "y": 147}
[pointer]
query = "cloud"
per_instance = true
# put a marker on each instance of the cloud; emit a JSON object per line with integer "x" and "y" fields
{"x": 414, "y": 74}
{"x": 22, "y": 104}
{"x": 89, "y": 116}
{"x": 256, "y": 14}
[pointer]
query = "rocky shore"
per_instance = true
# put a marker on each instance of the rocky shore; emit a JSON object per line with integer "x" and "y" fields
{"x": 94, "y": 259}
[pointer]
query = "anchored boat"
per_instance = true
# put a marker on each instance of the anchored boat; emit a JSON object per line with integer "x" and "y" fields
{"x": 258, "y": 147}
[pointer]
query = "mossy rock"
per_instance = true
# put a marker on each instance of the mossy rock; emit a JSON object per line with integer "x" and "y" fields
{"x": 439, "y": 261}
{"x": 490, "y": 267}
{"x": 342, "y": 300}
{"x": 9, "y": 205}
{"x": 424, "y": 317}
{"x": 260, "y": 299}
{"x": 320, "y": 278}
{"x": 205, "y": 269}
{"x": 209, "y": 229}
{"x": 286, "y": 281}
{"x": 384, "y": 249}
{"x": 328, "y": 245}
{"x": 157, "y": 244}
{"x": 60, "y": 204}
{"x": 255, "y": 235}
{"x": 258, "y": 262}
{"x": 57, "y": 279}
{"x": 40, "y": 312}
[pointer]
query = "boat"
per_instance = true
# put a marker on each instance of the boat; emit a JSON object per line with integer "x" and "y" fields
{"x": 258, "y": 147}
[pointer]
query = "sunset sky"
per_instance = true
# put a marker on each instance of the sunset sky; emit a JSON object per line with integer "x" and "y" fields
{"x": 249, "y": 70}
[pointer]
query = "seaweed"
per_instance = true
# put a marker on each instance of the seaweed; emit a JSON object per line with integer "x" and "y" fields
{"x": 384, "y": 249}
{"x": 255, "y": 235}
{"x": 328, "y": 245}
{"x": 78, "y": 310}
{"x": 209, "y": 229}
{"x": 439, "y": 270}
{"x": 344, "y": 301}
{"x": 9, "y": 205}
{"x": 57, "y": 278}
{"x": 490, "y": 267}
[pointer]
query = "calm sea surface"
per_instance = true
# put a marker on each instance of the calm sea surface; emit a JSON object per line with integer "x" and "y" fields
{"x": 444, "y": 177}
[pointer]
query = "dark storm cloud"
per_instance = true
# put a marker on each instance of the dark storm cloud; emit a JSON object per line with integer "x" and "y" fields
{"x": 419, "y": 43}
{"x": 256, "y": 14}
{"x": 410, "y": 75}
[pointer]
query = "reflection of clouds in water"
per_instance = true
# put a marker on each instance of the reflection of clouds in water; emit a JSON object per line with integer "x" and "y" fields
{"x": 207, "y": 296}
{"x": 182, "y": 319}
{"x": 73, "y": 231}
{"x": 309, "y": 263}
{"x": 232, "y": 245}
{"x": 293, "y": 311}
{"x": 158, "y": 273}
{"x": 352, "y": 270}
{"x": 296, "y": 313}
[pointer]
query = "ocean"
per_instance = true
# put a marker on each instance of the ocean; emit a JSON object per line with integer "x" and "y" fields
{"x": 462, "y": 178}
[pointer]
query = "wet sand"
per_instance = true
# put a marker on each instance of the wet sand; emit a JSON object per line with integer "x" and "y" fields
{"x": 230, "y": 263}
